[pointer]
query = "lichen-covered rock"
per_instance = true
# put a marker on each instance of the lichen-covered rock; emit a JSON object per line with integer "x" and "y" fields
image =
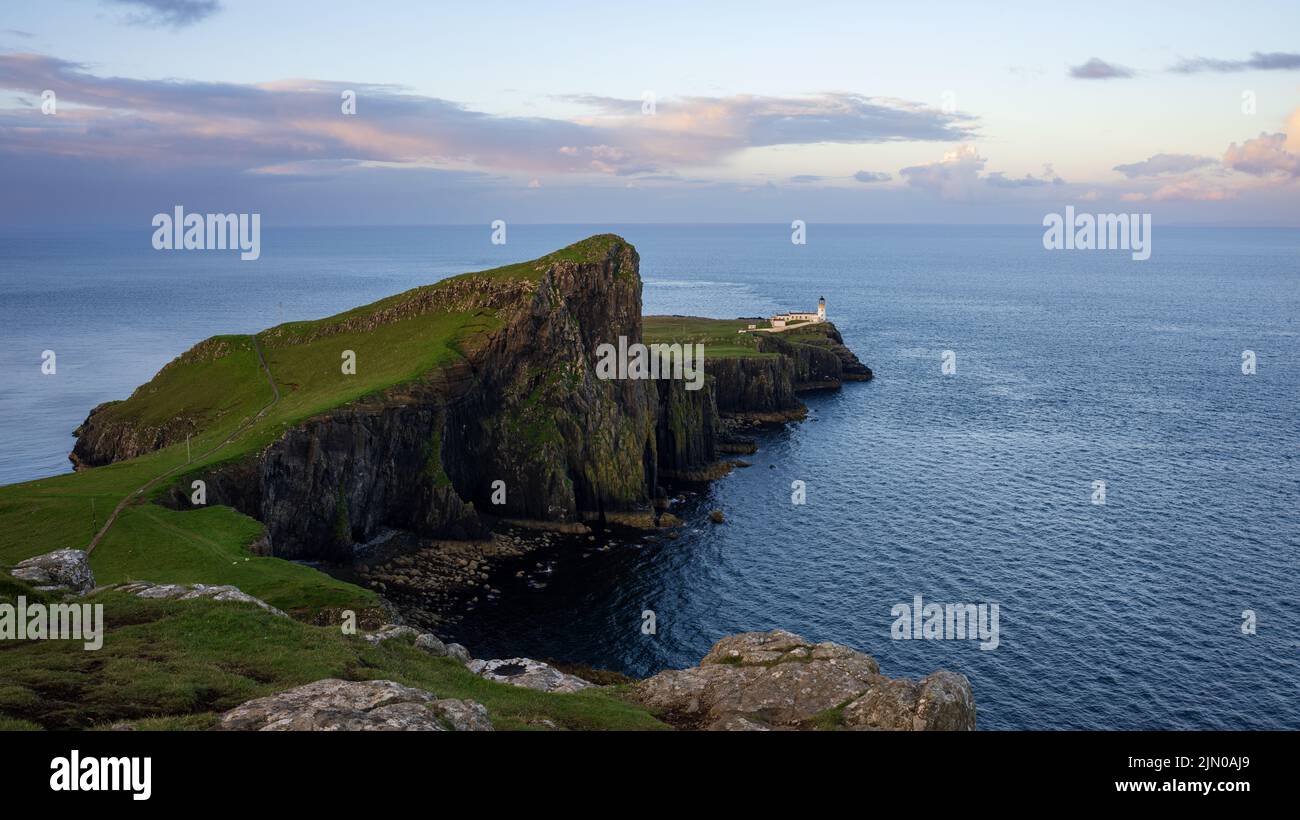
{"x": 529, "y": 674}
{"x": 425, "y": 641}
{"x": 737, "y": 723}
{"x": 778, "y": 679}
{"x": 387, "y": 632}
{"x": 183, "y": 592}
{"x": 338, "y": 705}
{"x": 430, "y": 643}
{"x": 58, "y": 571}
{"x": 460, "y": 653}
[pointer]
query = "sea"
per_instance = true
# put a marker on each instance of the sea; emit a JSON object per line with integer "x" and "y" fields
{"x": 1016, "y": 389}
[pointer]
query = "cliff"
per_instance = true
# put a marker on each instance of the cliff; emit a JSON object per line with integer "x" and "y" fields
{"x": 473, "y": 400}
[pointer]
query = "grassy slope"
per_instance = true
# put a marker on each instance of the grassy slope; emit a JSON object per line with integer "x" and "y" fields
{"x": 178, "y": 664}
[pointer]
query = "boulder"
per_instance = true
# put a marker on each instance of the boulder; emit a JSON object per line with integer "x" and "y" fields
{"x": 58, "y": 571}
{"x": 374, "y": 705}
{"x": 758, "y": 680}
{"x": 182, "y": 592}
{"x": 529, "y": 674}
{"x": 387, "y": 632}
{"x": 460, "y": 653}
{"x": 430, "y": 643}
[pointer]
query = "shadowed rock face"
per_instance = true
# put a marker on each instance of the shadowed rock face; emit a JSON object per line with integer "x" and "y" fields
{"x": 537, "y": 416}
{"x": 764, "y": 389}
{"x": 765, "y": 680}
{"x": 524, "y": 407}
{"x": 337, "y": 705}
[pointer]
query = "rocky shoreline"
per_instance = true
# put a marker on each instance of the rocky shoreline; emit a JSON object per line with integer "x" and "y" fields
{"x": 752, "y": 681}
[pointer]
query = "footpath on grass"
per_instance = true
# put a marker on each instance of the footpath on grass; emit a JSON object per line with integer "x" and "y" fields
{"x": 151, "y": 483}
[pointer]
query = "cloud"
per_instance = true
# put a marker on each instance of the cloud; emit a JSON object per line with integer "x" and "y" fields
{"x": 1096, "y": 69}
{"x": 1000, "y": 180}
{"x": 1186, "y": 190}
{"x": 1264, "y": 155}
{"x": 872, "y": 176}
{"x": 174, "y": 13}
{"x": 803, "y": 178}
{"x": 1258, "y": 61}
{"x": 245, "y": 127}
{"x": 953, "y": 177}
{"x": 1160, "y": 164}
{"x": 957, "y": 176}
{"x": 726, "y": 124}
{"x": 26, "y": 35}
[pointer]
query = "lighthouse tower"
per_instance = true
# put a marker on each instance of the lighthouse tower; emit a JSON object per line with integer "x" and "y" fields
{"x": 821, "y": 309}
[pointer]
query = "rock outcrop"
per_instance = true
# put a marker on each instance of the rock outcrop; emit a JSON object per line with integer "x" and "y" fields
{"x": 183, "y": 592}
{"x": 764, "y": 389}
{"x": 529, "y": 674}
{"x": 367, "y": 706}
{"x": 59, "y": 571}
{"x": 425, "y": 641}
{"x": 764, "y": 680}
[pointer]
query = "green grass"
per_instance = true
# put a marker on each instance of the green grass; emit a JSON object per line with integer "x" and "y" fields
{"x": 721, "y": 337}
{"x": 179, "y": 664}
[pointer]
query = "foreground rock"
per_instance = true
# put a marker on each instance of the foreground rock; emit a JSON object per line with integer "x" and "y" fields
{"x": 529, "y": 674}
{"x": 182, "y": 592}
{"x": 338, "y": 705}
{"x": 426, "y": 641}
{"x": 58, "y": 571}
{"x": 762, "y": 680}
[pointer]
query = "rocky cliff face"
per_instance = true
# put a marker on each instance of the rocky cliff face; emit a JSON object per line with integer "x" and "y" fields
{"x": 521, "y": 428}
{"x": 763, "y": 388}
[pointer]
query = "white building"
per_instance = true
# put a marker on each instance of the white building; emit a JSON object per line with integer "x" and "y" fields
{"x": 784, "y": 320}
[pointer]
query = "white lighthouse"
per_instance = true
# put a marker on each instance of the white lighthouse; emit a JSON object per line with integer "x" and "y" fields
{"x": 821, "y": 309}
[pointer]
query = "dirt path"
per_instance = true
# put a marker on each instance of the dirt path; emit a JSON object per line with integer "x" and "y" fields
{"x": 151, "y": 483}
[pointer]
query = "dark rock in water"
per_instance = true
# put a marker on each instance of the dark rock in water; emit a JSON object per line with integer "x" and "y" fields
{"x": 373, "y": 705}
{"x": 759, "y": 680}
{"x": 716, "y": 516}
{"x": 58, "y": 571}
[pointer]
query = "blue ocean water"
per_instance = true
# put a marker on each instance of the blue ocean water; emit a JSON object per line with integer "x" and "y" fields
{"x": 1072, "y": 367}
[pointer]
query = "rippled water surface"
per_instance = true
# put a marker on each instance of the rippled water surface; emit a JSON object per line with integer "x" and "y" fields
{"x": 1072, "y": 367}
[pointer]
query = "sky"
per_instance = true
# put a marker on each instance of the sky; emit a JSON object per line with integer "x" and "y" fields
{"x": 636, "y": 112}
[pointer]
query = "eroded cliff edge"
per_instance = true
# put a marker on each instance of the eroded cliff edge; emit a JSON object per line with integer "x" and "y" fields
{"x": 508, "y": 421}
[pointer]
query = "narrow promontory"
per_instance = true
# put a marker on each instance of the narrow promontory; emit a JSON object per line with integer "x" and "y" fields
{"x": 468, "y": 402}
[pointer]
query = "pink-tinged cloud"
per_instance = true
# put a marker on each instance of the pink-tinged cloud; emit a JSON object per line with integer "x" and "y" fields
{"x": 958, "y": 176}
{"x": 1186, "y": 190}
{"x": 1264, "y": 155}
{"x": 286, "y": 124}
